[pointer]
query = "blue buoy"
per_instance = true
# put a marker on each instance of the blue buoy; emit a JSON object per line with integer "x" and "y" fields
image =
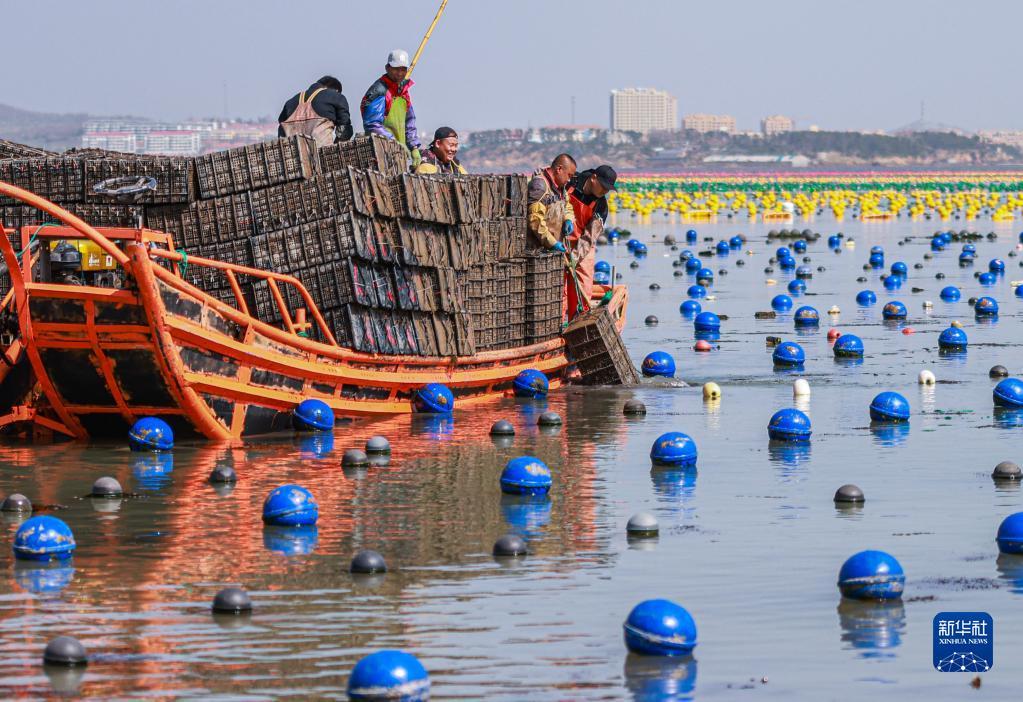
{"x": 290, "y": 505}
{"x": 789, "y": 425}
{"x": 965, "y": 258}
{"x": 531, "y": 383}
{"x": 660, "y": 628}
{"x": 707, "y": 322}
{"x": 876, "y": 250}
{"x": 848, "y": 346}
{"x": 946, "y": 237}
{"x": 601, "y": 278}
{"x": 899, "y": 268}
{"x": 889, "y": 407}
{"x": 674, "y": 449}
{"x": 526, "y": 475}
{"x": 892, "y": 282}
{"x": 658, "y": 363}
{"x": 953, "y": 338}
{"x": 987, "y": 279}
{"x": 389, "y": 675}
{"x": 871, "y": 575}
{"x": 894, "y": 310}
{"x": 433, "y": 398}
{"x": 996, "y": 265}
{"x": 686, "y": 255}
{"x": 866, "y": 297}
{"x": 1009, "y": 393}
{"x": 313, "y": 415}
{"x": 735, "y": 242}
{"x": 704, "y": 276}
{"x": 950, "y": 293}
{"x": 782, "y": 252}
{"x": 602, "y": 266}
{"x": 876, "y": 260}
{"x": 1019, "y": 291}
{"x": 787, "y": 263}
{"x": 969, "y": 248}
{"x": 631, "y": 244}
{"x": 690, "y": 308}
{"x": 44, "y": 538}
{"x": 788, "y": 354}
{"x": 1010, "y": 534}
{"x": 796, "y": 287}
{"x": 696, "y": 291}
{"x": 722, "y": 248}
{"x": 937, "y": 244}
{"x": 691, "y": 235}
{"x": 693, "y": 265}
{"x": 151, "y": 434}
{"x": 799, "y": 247}
{"x": 781, "y": 303}
{"x": 834, "y": 241}
{"x": 639, "y": 249}
{"x": 986, "y": 307}
{"x": 806, "y": 316}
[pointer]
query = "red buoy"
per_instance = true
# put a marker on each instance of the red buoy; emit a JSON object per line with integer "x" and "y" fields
{"x": 908, "y": 330}
{"x": 833, "y": 334}
{"x": 703, "y": 345}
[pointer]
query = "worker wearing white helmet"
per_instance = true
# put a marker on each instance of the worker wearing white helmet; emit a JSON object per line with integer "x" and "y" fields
{"x": 387, "y": 105}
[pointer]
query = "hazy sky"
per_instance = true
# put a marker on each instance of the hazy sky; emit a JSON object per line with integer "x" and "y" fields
{"x": 841, "y": 65}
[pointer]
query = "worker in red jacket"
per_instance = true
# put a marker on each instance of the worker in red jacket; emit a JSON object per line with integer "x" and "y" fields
{"x": 588, "y": 194}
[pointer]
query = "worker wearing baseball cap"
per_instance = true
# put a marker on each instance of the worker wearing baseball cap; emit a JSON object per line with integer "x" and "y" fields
{"x": 588, "y": 194}
{"x": 387, "y": 105}
{"x": 440, "y": 156}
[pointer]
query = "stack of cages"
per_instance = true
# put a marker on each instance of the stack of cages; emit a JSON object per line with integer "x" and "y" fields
{"x": 397, "y": 263}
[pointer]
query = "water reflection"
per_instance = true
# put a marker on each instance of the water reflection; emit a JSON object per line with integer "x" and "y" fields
{"x": 889, "y": 433}
{"x": 46, "y": 579}
{"x": 1008, "y": 417}
{"x": 316, "y": 445}
{"x": 526, "y": 515}
{"x": 153, "y": 471}
{"x": 435, "y": 427}
{"x": 872, "y": 628}
{"x": 790, "y": 457}
{"x": 1010, "y": 569}
{"x": 650, "y": 678}
{"x": 291, "y": 541}
{"x": 848, "y": 361}
{"x": 674, "y": 489}
{"x": 65, "y": 681}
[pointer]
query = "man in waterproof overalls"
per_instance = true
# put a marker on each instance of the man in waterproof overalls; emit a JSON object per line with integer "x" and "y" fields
{"x": 549, "y": 216}
{"x": 321, "y": 112}
{"x": 588, "y": 194}
{"x": 387, "y": 106}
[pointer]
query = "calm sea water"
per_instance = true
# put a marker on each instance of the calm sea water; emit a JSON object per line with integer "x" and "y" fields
{"x": 750, "y": 542}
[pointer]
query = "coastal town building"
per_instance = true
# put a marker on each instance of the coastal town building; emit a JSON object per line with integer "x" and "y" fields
{"x": 189, "y": 138}
{"x": 776, "y": 124}
{"x": 705, "y": 123}
{"x": 1001, "y": 136}
{"x": 643, "y": 110}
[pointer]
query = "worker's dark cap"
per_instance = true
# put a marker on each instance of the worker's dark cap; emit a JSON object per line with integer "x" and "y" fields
{"x": 444, "y": 133}
{"x": 607, "y": 176}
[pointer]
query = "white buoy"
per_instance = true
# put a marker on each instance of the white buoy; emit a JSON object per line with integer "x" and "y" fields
{"x": 711, "y": 391}
{"x": 801, "y": 388}
{"x": 926, "y": 378}
{"x": 834, "y": 310}
{"x": 928, "y": 304}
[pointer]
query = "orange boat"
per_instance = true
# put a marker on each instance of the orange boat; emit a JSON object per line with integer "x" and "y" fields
{"x": 88, "y": 361}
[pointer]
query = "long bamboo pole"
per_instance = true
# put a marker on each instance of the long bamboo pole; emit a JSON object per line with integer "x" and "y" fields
{"x": 426, "y": 37}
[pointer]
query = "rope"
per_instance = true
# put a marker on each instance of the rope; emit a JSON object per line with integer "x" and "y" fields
{"x": 32, "y": 239}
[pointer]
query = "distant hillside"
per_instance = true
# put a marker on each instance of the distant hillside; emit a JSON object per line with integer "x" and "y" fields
{"x": 42, "y": 129}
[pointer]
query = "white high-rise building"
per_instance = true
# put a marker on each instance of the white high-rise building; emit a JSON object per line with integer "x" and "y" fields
{"x": 643, "y": 110}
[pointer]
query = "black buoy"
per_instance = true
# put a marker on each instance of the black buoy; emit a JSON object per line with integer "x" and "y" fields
{"x": 939, "y": 276}
{"x": 849, "y": 493}
{"x": 634, "y": 264}
{"x": 232, "y": 600}
{"x": 1007, "y": 470}
{"x": 549, "y": 419}
{"x": 65, "y": 650}
{"x": 723, "y": 271}
{"x": 740, "y": 263}
{"x": 655, "y": 286}
{"x": 918, "y": 266}
{"x": 861, "y": 279}
{"x": 378, "y": 445}
{"x": 106, "y": 487}
{"x": 651, "y": 320}
{"x": 16, "y": 502}
{"x": 998, "y": 372}
{"x": 768, "y": 270}
{"x": 367, "y": 561}
{"x": 354, "y": 458}
{"x": 510, "y": 545}
{"x": 223, "y": 474}
{"x": 678, "y": 274}
{"x": 669, "y": 239}
{"x": 502, "y": 427}
{"x": 633, "y": 407}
